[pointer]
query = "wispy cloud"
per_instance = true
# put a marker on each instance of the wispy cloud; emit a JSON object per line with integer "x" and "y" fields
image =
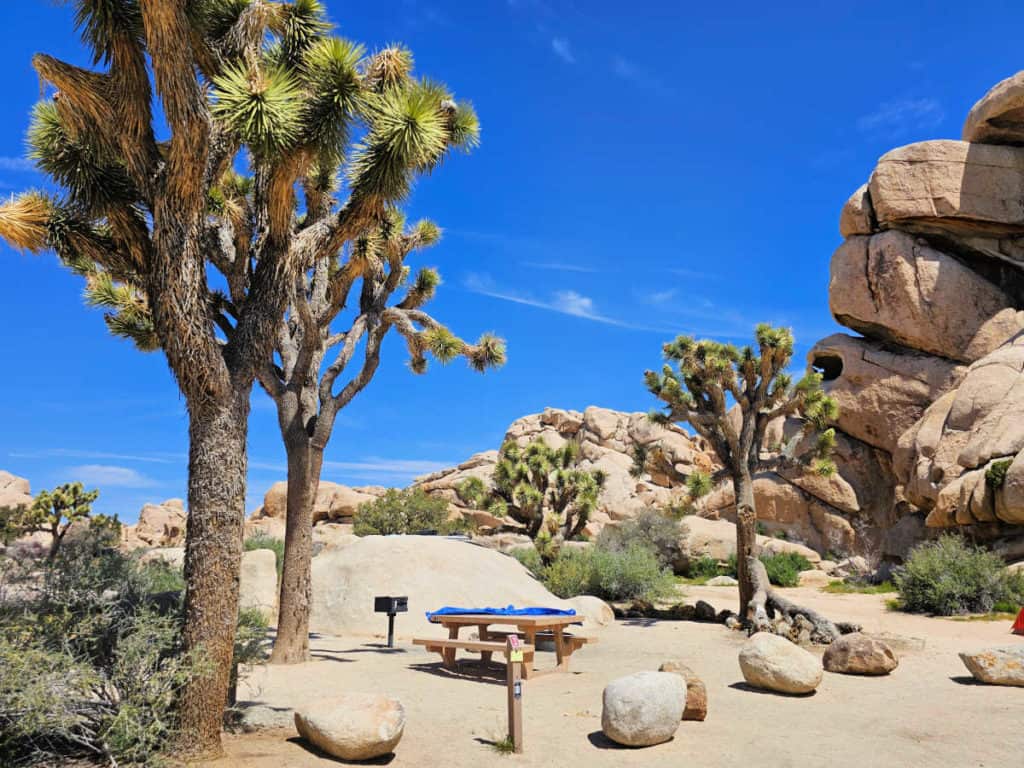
{"x": 67, "y": 453}
{"x": 661, "y": 297}
{"x": 107, "y": 475}
{"x": 372, "y": 468}
{"x": 901, "y": 116}
{"x": 566, "y": 302}
{"x": 558, "y": 266}
{"x": 629, "y": 70}
{"x": 21, "y": 164}
{"x": 561, "y": 48}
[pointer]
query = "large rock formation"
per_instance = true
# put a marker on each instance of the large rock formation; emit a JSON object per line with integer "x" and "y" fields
{"x": 159, "y": 525}
{"x": 431, "y": 571}
{"x": 607, "y": 441}
{"x": 931, "y": 273}
{"x": 14, "y": 490}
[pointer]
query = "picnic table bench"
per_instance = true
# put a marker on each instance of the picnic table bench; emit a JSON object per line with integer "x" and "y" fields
{"x": 532, "y": 628}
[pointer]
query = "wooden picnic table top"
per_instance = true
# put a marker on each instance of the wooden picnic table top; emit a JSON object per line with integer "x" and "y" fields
{"x": 494, "y": 618}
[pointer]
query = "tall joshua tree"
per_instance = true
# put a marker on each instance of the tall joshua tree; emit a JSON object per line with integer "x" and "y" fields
{"x": 710, "y": 385}
{"x": 309, "y": 394}
{"x": 543, "y": 490}
{"x": 195, "y": 259}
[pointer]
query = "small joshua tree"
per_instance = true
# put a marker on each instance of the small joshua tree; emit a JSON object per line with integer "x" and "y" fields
{"x": 54, "y": 512}
{"x": 709, "y": 380}
{"x": 542, "y": 489}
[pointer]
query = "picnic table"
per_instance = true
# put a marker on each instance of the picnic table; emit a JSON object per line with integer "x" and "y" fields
{"x": 491, "y": 640}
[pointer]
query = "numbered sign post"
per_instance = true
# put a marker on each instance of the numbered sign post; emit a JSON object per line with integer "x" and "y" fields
{"x": 514, "y": 657}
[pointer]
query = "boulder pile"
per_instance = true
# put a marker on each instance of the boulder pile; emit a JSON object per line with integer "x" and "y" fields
{"x": 931, "y": 275}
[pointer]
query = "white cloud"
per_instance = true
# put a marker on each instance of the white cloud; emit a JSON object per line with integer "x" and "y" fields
{"x": 561, "y": 48}
{"x": 661, "y": 297}
{"x": 106, "y": 475}
{"x": 629, "y": 70}
{"x": 566, "y": 302}
{"x": 8, "y": 163}
{"x": 901, "y": 116}
{"x": 67, "y": 453}
{"x": 559, "y": 266}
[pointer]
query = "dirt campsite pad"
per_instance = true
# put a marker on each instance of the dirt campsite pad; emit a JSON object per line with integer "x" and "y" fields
{"x": 928, "y": 713}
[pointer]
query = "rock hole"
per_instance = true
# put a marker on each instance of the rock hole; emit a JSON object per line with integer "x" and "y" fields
{"x": 829, "y": 366}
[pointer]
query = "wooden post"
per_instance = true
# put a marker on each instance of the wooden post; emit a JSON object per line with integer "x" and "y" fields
{"x": 514, "y": 662}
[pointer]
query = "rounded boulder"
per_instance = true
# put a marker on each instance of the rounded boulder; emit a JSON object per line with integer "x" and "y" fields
{"x": 774, "y": 663}
{"x": 643, "y": 709}
{"x": 354, "y": 726}
{"x": 857, "y": 654}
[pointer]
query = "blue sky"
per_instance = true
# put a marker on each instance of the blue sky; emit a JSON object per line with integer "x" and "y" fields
{"x": 646, "y": 169}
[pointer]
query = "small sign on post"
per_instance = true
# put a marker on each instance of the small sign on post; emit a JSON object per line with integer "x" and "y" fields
{"x": 514, "y": 657}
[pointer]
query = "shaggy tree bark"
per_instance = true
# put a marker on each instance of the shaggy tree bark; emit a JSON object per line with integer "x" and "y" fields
{"x": 213, "y": 554}
{"x": 746, "y": 533}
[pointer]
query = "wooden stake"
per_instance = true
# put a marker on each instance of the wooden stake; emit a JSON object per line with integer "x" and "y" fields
{"x": 514, "y": 679}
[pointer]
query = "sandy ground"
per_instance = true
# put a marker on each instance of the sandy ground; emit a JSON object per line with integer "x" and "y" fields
{"x": 927, "y": 713}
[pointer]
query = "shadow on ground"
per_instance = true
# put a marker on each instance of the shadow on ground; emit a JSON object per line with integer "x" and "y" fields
{"x": 385, "y": 760}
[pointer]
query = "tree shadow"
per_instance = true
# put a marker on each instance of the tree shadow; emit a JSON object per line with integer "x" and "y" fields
{"x": 317, "y": 752}
{"x": 747, "y": 687}
{"x": 493, "y": 674}
{"x": 329, "y": 656}
{"x": 644, "y": 623}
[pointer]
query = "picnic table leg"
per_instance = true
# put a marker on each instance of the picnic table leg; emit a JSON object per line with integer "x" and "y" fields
{"x": 562, "y": 653}
{"x": 448, "y": 654}
{"x": 531, "y": 639}
{"x": 485, "y": 656}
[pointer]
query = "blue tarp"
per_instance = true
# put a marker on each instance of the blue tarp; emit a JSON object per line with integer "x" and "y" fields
{"x": 510, "y": 610}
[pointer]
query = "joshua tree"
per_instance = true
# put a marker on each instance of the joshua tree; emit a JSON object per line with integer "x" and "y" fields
{"x": 708, "y": 377}
{"x": 54, "y": 512}
{"x": 189, "y": 256}
{"x": 542, "y": 489}
{"x": 309, "y": 395}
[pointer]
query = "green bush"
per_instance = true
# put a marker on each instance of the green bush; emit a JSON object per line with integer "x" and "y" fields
{"x": 403, "y": 511}
{"x": 570, "y": 573}
{"x": 609, "y": 574}
{"x": 784, "y": 568}
{"x": 263, "y": 540}
{"x": 995, "y": 475}
{"x": 632, "y": 573}
{"x": 948, "y": 576}
{"x": 650, "y": 529}
{"x": 704, "y": 567}
{"x": 91, "y": 662}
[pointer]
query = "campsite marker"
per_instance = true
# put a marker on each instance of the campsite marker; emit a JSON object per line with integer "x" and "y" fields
{"x": 514, "y": 654}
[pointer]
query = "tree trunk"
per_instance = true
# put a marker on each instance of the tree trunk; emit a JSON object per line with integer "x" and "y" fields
{"x": 213, "y": 556}
{"x": 746, "y": 534}
{"x": 291, "y": 646}
{"x": 766, "y": 603}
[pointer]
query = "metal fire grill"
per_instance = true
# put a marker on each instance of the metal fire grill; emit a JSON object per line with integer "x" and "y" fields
{"x": 392, "y": 606}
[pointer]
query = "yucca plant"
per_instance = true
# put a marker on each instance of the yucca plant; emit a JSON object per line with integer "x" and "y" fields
{"x": 281, "y": 149}
{"x": 543, "y": 491}
{"x": 700, "y": 384}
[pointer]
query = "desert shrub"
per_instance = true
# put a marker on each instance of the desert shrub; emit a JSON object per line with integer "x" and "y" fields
{"x": 530, "y": 558}
{"x": 634, "y": 572}
{"x": 995, "y": 475}
{"x": 947, "y": 576}
{"x": 651, "y": 529}
{"x": 263, "y": 540}
{"x": 570, "y": 573}
{"x": 703, "y": 567}
{"x": 250, "y": 646}
{"x": 630, "y": 573}
{"x": 402, "y": 511}
{"x": 91, "y": 661}
{"x": 784, "y": 568}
